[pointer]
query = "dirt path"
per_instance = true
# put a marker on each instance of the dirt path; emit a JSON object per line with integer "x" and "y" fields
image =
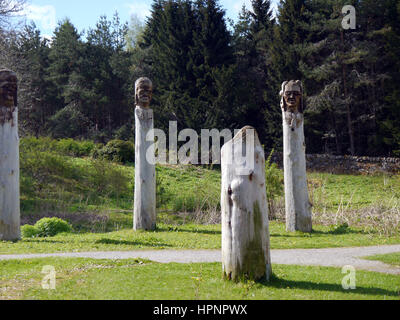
{"x": 333, "y": 257}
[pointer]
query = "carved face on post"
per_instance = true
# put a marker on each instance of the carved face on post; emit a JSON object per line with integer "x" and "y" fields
{"x": 143, "y": 92}
{"x": 8, "y": 88}
{"x": 292, "y": 96}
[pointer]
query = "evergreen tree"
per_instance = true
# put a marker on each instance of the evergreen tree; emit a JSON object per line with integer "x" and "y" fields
{"x": 188, "y": 45}
{"x": 36, "y": 105}
{"x": 65, "y": 57}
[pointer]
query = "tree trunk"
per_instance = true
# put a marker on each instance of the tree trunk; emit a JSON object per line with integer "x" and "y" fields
{"x": 298, "y": 207}
{"x": 9, "y": 175}
{"x": 245, "y": 226}
{"x": 145, "y": 172}
{"x": 348, "y": 110}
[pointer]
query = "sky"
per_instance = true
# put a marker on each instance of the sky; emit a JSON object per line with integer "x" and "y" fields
{"x": 85, "y": 13}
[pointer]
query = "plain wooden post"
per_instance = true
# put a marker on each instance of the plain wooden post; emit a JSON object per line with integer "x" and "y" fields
{"x": 297, "y": 203}
{"x": 145, "y": 171}
{"x": 245, "y": 226}
{"x": 9, "y": 158}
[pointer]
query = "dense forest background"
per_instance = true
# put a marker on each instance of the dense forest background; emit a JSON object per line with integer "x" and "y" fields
{"x": 209, "y": 72}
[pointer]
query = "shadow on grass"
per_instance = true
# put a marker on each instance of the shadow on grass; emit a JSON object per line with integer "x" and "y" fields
{"x": 306, "y": 285}
{"x": 181, "y": 229}
{"x": 42, "y": 241}
{"x": 338, "y": 232}
{"x": 133, "y": 243}
{"x": 319, "y": 233}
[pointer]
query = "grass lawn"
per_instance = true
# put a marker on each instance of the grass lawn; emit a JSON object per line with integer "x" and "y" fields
{"x": 143, "y": 280}
{"x": 191, "y": 237}
{"x": 81, "y": 186}
{"x": 357, "y": 191}
{"x": 54, "y": 181}
{"x": 390, "y": 258}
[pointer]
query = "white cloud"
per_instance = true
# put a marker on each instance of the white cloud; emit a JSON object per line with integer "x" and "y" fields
{"x": 43, "y": 16}
{"x": 140, "y": 9}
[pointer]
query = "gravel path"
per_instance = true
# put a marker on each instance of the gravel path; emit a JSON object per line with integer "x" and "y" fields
{"x": 335, "y": 257}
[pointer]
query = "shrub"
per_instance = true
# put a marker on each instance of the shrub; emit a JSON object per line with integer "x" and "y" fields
{"x": 339, "y": 228}
{"x": 28, "y": 231}
{"x": 117, "y": 150}
{"x": 75, "y": 148}
{"x": 273, "y": 179}
{"x": 49, "y": 227}
{"x": 65, "y": 147}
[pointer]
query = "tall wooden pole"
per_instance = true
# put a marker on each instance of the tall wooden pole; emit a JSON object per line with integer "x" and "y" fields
{"x": 9, "y": 158}
{"x": 145, "y": 171}
{"x": 245, "y": 226}
{"x": 298, "y": 207}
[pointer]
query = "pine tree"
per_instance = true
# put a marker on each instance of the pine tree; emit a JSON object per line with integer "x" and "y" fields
{"x": 188, "y": 44}
{"x": 36, "y": 105}
{"x": 252, "y": 38}
{"x": 64, "y": 59}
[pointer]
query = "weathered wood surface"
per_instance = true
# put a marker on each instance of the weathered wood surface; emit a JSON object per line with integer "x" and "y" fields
{"x": 245, "y": 226}
{"x": 145, "y": 171}
{"x": 9, "y": 175}
{"x": 298, "y": 208}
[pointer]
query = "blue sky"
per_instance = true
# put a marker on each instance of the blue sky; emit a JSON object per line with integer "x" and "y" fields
{"x": 85, "y": 13}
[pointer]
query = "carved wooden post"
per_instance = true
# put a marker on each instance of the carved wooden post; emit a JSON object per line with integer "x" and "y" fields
{"x": 245, "y": 226}
{"x": 9, "y": 158}
{"x": 298, "y": 207}
{"x": 145, "y": 171}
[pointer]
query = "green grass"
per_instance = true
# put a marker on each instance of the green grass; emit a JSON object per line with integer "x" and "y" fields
{"x": 53, "y": 183}
{"x": 142, "y": 280}
{"x": 390, "y": 258}
{"x": 357, "y": 191}
{"x": 53, "y": 180}
{"x": 190, "y": 236}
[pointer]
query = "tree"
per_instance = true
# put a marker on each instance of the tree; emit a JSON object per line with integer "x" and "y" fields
{"x": 8, "y": 8}
{"x": 188, "y": 43}
{"x": 253, "y": 35}
{"x": 346, "y": 72}
{"x": 35, "y": 100}
{"x": 106, "y": 72}
{"x": 65, "y": 57}
{"x": 135, "y": 32}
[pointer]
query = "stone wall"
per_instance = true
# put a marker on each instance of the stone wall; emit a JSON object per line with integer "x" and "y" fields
{"x": 346, "y": 164}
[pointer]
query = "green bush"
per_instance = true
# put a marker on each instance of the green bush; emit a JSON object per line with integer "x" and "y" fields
{"x": 65, "y": 147}
{"x": 274, "y": 184}
{"x": 49, "y": 227}
{"x": 28, "y": 231}
{"x": 117, "y": 150}
{"x": 37, "y": 144}
{"x": 75, "y": 148}
{"x": 273, "y": 180}
{"x": 340, "y": 228}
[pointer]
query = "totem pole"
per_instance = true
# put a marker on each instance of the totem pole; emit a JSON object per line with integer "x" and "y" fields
{"x": 145, "y": 171}
{"x": 9, "y": 158}
{"x": 298, "y": 207}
